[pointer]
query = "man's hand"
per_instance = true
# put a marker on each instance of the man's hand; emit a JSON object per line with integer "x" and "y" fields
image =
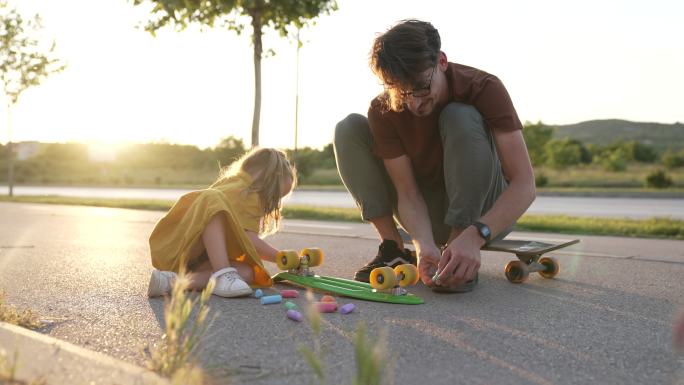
{"x": 461, "y": 259}
{"x": 428, "y": 260}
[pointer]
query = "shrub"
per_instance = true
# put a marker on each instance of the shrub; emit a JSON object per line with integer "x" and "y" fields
{"x": 658, "y": 179}
{"x": 672, "y": 160}
{"x": 541, "y": 180}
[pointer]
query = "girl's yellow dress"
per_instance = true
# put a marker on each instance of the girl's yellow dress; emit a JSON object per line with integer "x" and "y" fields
{"x": 183, "y": 225}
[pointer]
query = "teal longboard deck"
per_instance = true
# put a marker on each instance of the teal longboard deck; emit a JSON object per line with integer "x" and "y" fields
{"x": 347, "y": 288}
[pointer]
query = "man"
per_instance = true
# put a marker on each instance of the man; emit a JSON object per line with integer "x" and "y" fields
{"x": 442, "y": 149}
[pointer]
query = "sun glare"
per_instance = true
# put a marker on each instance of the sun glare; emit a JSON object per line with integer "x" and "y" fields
{"x": 104, "y": 151}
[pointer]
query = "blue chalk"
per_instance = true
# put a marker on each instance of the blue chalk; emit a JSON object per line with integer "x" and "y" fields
{"x": 271, "y": 299}
{"x": 258, "y": 293}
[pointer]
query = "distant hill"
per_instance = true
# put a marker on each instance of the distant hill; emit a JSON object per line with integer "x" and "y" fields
{"x": 603, "y": 132}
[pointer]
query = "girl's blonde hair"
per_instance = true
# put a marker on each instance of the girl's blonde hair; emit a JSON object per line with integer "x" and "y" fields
{"x": 269, "y": 169}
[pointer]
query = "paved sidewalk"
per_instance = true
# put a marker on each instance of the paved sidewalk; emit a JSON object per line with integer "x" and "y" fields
{"x": 59, "y": 362}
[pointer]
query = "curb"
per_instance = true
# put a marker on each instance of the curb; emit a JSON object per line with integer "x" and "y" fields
{"x": 60, "y": 362}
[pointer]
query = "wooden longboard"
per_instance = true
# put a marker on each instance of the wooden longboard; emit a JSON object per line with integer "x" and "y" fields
{"x": 530, "y": 254}
{"x": 526, "y": 248}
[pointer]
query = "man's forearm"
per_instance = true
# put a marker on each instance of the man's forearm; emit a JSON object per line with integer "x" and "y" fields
{"x": 510, "y": 206}
{"x": 414, "y": 215}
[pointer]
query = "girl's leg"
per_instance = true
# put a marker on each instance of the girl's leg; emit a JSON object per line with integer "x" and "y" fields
{"x": 214, "y": 242}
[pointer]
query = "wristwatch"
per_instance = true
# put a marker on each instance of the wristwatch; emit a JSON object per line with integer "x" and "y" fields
{"x": 483, "y": 230}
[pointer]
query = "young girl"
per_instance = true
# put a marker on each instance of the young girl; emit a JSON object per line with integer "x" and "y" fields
{"x": 215, "y": 232}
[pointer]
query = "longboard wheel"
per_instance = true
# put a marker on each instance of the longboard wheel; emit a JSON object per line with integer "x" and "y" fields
{"x": 516, "y": 272}
{"x": 315, "y": 256}
{"x": 407, "y": 274}
{"x": 287, "y": 259}
{"x": 383, "y": 278}
{"x": 551, "y": 265}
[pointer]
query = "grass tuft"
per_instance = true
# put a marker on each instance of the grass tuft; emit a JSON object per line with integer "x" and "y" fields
{"x": 370, "y": 354}
{"x": 26, "y": 318}
{"x": 176, "y": 355}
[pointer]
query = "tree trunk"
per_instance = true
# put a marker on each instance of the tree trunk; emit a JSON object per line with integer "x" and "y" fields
{"x": 10, "y": 153}
{"x": 10, "y": 168}
{"x": 256, "y": 25}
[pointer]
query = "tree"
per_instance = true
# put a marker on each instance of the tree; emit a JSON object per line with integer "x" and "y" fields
{"x": 23, "y": 64}
{"x": 561, "y": 153}
{"x": 536, "y": 136}
{"x": 275, "y": 14}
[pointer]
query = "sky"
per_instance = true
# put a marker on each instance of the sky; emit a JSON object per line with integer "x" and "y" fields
{"x": 562, "y": 62}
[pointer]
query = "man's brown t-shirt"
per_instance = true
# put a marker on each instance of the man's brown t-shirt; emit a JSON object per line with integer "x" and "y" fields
{"x": 402, "y": 133}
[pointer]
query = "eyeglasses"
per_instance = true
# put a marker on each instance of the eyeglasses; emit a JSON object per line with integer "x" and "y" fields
{"x": 420, "y": 92}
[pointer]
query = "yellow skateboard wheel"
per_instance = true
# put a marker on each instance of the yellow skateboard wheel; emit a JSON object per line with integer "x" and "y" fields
{"x": 383, "y": 278}
{"x": 287, "y": 259}
{"x": 552, "y": 267}
{"x": 407, "y": 274}
{"x": 516, "y": 272}
{"x": 315, "y": 256}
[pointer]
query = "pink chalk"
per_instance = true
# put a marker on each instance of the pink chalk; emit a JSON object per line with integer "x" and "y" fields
{"x": 295, "y": 315}
{"x": 348, "y": 308}
{"x": 328, "y": 298}
{"x": 326, "y": 307}
{"x": 289, "y": 293}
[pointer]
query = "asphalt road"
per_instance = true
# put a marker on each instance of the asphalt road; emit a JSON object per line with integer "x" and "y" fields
{"x": 606, "y": 319}
{"x": 611, "y": 207}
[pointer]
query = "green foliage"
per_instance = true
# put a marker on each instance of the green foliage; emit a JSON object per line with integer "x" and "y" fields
{"x": 563, "y": 153}
{"x": 371, "y": 357}
{"x": 308, "y": 159}
{"x": 672, "y": 160}
{"x": 614, "y": 161}
{"x": 229, "y": 150}
{"x": 232, "y": 14}
{"x": 643, "y": 228}
{"x": 658, "y": 179}
{"x": 540, "y": 179}
{"x": 277, "y": 15}
{"x": 24, "y": 61}
{"x": 641, "y": 152}
{"x": 536, "y": 136}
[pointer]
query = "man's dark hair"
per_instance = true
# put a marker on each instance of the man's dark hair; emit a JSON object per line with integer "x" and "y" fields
{"x": 401, "y": 54}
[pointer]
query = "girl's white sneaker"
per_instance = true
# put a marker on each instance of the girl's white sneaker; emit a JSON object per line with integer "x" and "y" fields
{"x": 161, "y": 283}
{"x": 229, "y": 284}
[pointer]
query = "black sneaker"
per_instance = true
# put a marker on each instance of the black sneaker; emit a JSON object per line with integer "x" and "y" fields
{"x": 390, "y": 255}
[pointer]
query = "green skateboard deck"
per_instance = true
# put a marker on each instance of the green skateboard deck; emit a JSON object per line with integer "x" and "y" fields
{"x": 347, "y": 288}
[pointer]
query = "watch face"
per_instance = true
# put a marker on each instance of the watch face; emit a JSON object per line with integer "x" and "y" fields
{"x": 485, "y": 231}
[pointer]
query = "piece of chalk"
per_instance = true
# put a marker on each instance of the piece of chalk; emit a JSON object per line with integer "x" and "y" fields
{"x": 271, "y": 299}
{"x": 295, "y": 315}
{"x": 326, "y": 307}
{"x": 289, "y": 293}
{"x": 328, "y": 298}
{"x": 258, "y": 293}
{"x": 347, "y": 308}
{"x": 290, "y": 305}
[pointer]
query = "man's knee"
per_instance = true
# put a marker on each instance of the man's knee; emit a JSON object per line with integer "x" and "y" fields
{"x": 351, "y": 128}
{"x": 461, "y": 121}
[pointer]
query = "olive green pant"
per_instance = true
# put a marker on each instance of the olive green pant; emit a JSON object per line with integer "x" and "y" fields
{"x": 473, "y": 178}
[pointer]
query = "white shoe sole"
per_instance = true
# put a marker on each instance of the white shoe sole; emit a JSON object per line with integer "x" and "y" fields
{"x": 154, "y": 288}
{"x": 233, "y": 293}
